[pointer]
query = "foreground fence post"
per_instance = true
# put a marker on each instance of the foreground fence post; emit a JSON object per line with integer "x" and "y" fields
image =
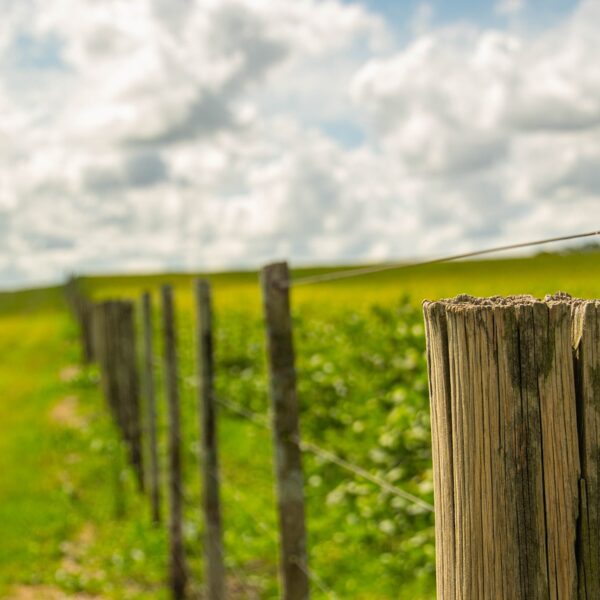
{"x": 586, "y": 340}
{"x": 288, "y": 459}
{"x": 150, "y": 394}
{"x": 505, "y": 448}
{"x": 213, "y": 549}
{"x": 178, "y": 571}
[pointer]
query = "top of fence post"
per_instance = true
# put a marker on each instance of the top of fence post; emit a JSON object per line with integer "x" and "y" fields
{"x": 505, "y": 447}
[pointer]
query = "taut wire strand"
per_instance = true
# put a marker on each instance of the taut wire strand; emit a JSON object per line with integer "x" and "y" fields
{"x": 337, "y": 275}
{"x": 330, "y": 457}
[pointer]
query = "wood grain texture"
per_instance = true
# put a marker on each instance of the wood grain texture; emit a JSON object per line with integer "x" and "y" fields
{"x": 586, "y": 336}
{"x": 505, "y": 448}
{"x": 436, "y": 328}
{"x": 286, "y": 432}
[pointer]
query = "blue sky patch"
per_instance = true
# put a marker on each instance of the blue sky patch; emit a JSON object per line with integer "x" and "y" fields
{"x": 37, "y": 53}
{"x": 348, "y": 133}
{"x": 399, "y": 13}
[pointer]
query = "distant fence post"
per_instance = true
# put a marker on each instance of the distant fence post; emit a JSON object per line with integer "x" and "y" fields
{"x": 505, "y": 448}
{"x": 150, "y": 395}
{"x": 129, "y": 387}
{"x": 102, "y": 351}
{"x": 87, "y": 333}
{"x": 288, "y": 459}
{"x": 104, "y": 340}
{"x": 213, "y": 548}
{"x": 82, "y": 309}
{"x": 114, "y": 332}
{"x": 177, "y": 567}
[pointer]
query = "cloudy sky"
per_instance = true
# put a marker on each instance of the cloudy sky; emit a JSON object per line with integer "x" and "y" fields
{"x": 191, "y": 134}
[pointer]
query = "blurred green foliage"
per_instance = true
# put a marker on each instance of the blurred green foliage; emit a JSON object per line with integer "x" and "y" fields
{"x": 71, "y": 519}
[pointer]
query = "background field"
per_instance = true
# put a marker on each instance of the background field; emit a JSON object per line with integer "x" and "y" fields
{"x": 71, "y": 520}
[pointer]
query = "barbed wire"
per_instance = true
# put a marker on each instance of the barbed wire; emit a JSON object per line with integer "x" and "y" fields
{"x": 350, "y": 273}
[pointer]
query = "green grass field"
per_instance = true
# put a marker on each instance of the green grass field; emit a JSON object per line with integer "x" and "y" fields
{"x": 72, "y": 523}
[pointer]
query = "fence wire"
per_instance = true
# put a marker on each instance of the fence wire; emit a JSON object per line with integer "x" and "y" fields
{"x": 324, "y": 454}
{"x": 310, "y": 573}
{"x": 312, "y": 448}
{"x": 351, "y": 273}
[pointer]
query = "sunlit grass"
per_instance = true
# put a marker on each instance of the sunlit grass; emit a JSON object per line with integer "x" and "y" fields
{"x": 72, "y": 520}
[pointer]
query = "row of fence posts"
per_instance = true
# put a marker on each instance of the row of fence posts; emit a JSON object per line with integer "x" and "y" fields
{"x": 108, "y": 337}
{"x": 515, "y": 402}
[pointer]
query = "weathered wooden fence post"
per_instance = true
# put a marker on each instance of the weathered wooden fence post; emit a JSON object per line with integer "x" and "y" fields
{"x": 86, "y": 309}
{"x": 103, "y": 351}
{"x": 178, "y": 571}
{"x": 150, "y": 395}
{"x": 114, "y": 330}
{"x": 128, "y": 383}
{"x": 288, "y": 458}
{"x": 505, "y": 448}
{"x": 82, "y": 309}
{"x": 104, "y": 340}
{"x": 586, "y": 341}
{"x": 213, "y": 545}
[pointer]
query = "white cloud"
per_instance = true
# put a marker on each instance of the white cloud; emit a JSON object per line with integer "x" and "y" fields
{"x": 422, "y": 18}
{"x": 193, "y": 134}
{"x": 503, "y": 130}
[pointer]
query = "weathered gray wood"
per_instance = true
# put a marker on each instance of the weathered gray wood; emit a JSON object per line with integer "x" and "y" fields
{"x": 439, "y": 389}
{"x": 150, "y": 395}
{"x": 104, "y": 337}
{"x": 114, "y": 330}
{"x": 104, "y": 356}
{"x": 288, "y": 459}
{"x": 177, "y": 566}
{"x": 70, "y": 290}
{"x": 128, "y": 384}
{"x": 506, "y": 463}
{"x": 213, "y": 547}
{"x": 82, "y": 309}
{"x": 86, "y": 329}
{"x": 586, "y": 342}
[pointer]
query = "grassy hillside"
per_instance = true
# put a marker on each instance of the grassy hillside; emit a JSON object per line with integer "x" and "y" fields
{"x": 71, "y": 520}
{"x": 539, "y": 275}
